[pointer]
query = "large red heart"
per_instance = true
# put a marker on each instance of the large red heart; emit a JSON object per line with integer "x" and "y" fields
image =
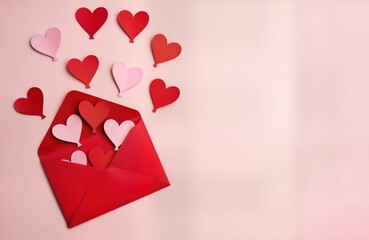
{"x": 100, "y": 159}
{"x": 33, "y": 104}
{"x": 163, "y": 51}
{"x": 133, "y": 25}
{"x": 162, "y": 96}
{"x": 91, "y": 22}
{"x": 94, "y": 115}
{"x": 84, "y": 70}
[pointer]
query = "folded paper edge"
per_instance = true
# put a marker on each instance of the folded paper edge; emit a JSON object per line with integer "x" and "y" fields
{"x": 71, "y": 224}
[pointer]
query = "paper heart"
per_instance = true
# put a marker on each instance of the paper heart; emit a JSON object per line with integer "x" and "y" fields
{"x": 117, "y": 133}
{"x": 48, "y": 44}
{"x": 163, "y": 51}
{"x": 94, "y": 115}
{"x": 71, "y": 132}
{"x": 162, "y": 96}
{"x": 32, "y": 105}
{"x": 126, "y": 78}
{"x": 78, "y": 157}
{"x": 83, "y": 70}
{"x": 100, "y": 159}
{"x": 133, "y": 25}
{"x": 91, "y": 22}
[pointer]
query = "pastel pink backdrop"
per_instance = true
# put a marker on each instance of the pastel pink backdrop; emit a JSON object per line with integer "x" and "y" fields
{"x": 268, "y": 141}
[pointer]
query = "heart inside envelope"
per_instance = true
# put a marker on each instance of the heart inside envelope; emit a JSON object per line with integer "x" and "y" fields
{"x": 100, "y": 159}
{"x": 112, "y": 178}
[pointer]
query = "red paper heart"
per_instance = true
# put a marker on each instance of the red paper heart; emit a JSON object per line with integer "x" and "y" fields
{"x": 163, "y": 51}
{"x": 84, "y": 70}
{"x": 133, "y": 25}
{"x": 100, "y": 159}
{"x": 94, "y": 115}
{"x": 32, "y": 105}
{"x": 91, "y": 22}
{"x": 162, "y": 96}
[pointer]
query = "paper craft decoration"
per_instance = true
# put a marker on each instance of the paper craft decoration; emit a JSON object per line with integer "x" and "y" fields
{"x": 91, "y": 22}
{"x": 70, "y": 132}
{"x": 133, "y": 25}
{"x": 126, "y": 78}
{"x": 83, "y": 70}
{"x": 48, "y": 44}
{"x": 94, "y": 115}
{"x": 163, "y": 51}
{"x": 162, "y": 96}
{"x": 78, "y": 157}
{"x": 32, "y": 105}
{"x": 100, "y": 159}
{"x": 117, "y": 132}
{"x": 85, "y": 192}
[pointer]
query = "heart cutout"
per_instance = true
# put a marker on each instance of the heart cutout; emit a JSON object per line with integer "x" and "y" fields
{"x": 126, "y": 78}
{"x": 32, "y": 105}
{"x": 133, "y": 25}
{"x": 100, "y": 159}
{"x": 71, "y": 132}
{"x": 163, "y": 51}
{"x": 78, "y": 157}
{"x": 83, "y": 70}
{"x": 91, "y": 22}
{"x": 94, "y": 115}
{"x": 117, "y": 133}
{"x": 48, "y": 44}
{"x": 162, "y": 96}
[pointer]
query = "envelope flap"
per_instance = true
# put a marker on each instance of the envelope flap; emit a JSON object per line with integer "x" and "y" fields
{"x": 137, "y": 154}
{"x": 69, "y": 182}
{"x": 111, "y": 189}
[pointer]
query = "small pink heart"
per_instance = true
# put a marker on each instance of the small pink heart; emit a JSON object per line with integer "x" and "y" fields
{"x": 49, "y": 44}
{"x": 71, "y": 132}
{"x": 117, "y": 133}
{"x": 78, "y": 157}
{"x": 126, "y": 78}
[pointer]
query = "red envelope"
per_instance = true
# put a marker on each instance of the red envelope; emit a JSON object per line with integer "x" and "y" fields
{"x": 84, "y": 192}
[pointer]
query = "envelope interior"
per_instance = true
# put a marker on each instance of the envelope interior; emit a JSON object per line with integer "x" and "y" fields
{"x": 55, "y": 149}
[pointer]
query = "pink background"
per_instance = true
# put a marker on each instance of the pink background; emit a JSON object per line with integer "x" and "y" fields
{"x": 268, "y": 141}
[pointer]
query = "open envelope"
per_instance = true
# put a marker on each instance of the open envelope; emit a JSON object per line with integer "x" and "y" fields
{"x": 85, "y": 192}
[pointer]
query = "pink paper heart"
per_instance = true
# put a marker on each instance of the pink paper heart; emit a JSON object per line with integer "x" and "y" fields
{"x": 78, "y": 157}
{"x": 117, "y": 133}
{"x": 126, "y": 78}
{"x": 71, "y": 132}
{"x": 49, "y": 44}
